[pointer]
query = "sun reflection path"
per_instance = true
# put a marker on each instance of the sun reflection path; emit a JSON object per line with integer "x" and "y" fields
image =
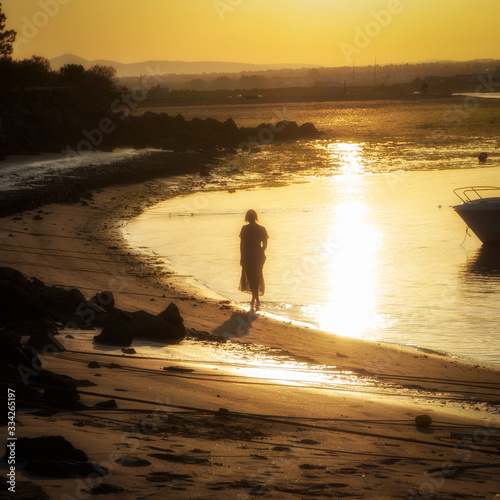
{"x": 348, "y": 155}
{"x": 256, "y": 361}
{"x": 350, "y": 258}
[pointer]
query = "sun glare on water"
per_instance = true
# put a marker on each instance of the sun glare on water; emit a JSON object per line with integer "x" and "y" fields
{"x": 349, "y": 260}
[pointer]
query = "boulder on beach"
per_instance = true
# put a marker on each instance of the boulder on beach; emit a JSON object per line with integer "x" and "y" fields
{"x": 45, "y": 342}
{"x": 167, "y": 327}
{"x": 173, "y": 317}
{"x": 119, "y": 333}
{"x": 105, "y": 300}
{"x": 61, "y": 300}
{"x": 11, "y": 351}
{"x": 110, "y": 318}
{"x": 23, "y": 299}
{"x": 25, "y": 490}
{"x": 47, "y": 448}
{"x": 15, "y": 299}
{"x": 54, "y": 456}
{"x": 59, "y": 390}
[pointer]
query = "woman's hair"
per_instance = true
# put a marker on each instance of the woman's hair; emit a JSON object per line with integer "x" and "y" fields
{"x": 251, "y": 216}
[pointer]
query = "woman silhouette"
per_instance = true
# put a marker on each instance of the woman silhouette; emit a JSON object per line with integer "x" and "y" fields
{"x": 252, "y": 249}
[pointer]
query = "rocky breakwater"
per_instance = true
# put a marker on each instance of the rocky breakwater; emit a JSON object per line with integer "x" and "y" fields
{"x": 31, "y": 316}
{"x": 160, "y": 130}
{"x": 58, "y": 120}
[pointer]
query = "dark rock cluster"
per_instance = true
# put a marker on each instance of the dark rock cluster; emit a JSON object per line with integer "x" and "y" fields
{"x": 29, "y": 307}
{"x": 121, "y": 328}
{"x": 161, "y": 130}
{"x": 31, "y": 310}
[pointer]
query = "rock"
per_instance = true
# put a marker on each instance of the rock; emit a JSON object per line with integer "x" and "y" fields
{"x": 423, "y": 420}
{"x": 173, "y": 316}
{"x": 104, "y": 318}
{"x": 223, "y": 413}
{"x": 107, "y": 318}
{"x": 18, "y": 366}
{"x": 311, "y": 442}
{"x": 308, "y": 131}
{"x": 59, "y": 389}
{"x": 12, "y": 275}
{"x": 46, "y": 343}
{"x": 76, "y": 321}
{"x": 25, "y": 490}
{"x": 15, "y": 301}
{"x": 158, "y": 329}
{"x": 119, "y": 333}
{"x": 166, "y": 477}
{"x": 61, "y": 300}
{"x": 94, "y": 364}
{"x": 132, "y": 461}
{"x": 48, "y": 448}
{"x": 129, "y": 350}
{"x": 105, "y": 300}
{"x": 104, "y": 489}
{"x": 110, "y": 404}
{"x": 11, "y": 350}
{"x": 178, "y": 369}
{"x": 84, "y": 383}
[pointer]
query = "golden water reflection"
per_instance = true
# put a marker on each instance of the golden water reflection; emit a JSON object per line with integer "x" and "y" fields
{"x": 348, "y": 156}
{"x": 350, "y": 269}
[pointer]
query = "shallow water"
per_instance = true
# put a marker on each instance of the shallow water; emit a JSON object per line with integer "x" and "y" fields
{"x": 376, "y": 256}
{"x": 28, "y": 171}
{"x": 363, "y": 239}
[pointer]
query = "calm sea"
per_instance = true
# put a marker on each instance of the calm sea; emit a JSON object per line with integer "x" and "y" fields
{"x": 363, "y": 239}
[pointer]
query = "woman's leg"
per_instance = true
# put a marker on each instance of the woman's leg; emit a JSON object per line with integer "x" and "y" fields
{"x": 255, "y": 300}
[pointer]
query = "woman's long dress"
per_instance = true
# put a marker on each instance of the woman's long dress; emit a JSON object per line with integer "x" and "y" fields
{"x": 253, "y": 257}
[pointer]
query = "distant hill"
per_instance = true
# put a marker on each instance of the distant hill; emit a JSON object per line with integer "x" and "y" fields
{"x": 170, "y": 67}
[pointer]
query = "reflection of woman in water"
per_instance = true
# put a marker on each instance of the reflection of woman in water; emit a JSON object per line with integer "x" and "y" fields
{"x": 252, "y": 247}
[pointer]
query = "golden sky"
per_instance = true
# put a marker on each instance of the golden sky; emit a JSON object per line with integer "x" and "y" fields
{"x": 320, "y": 32}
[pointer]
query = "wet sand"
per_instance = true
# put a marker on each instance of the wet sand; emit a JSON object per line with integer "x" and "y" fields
{"x": 210, "y": 434}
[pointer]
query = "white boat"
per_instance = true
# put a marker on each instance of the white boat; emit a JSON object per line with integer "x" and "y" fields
{"x": 481, "y": 213}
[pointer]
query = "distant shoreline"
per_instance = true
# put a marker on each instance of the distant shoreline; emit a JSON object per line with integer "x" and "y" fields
{"x": 214, "y": 98}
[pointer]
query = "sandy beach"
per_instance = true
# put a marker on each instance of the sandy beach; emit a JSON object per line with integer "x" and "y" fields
{"x": 197, "y": 431}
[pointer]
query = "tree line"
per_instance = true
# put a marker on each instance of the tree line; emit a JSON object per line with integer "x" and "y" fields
{"x": 96, "y": 86}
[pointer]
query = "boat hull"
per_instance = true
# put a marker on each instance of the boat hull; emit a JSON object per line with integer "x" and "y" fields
{"x": 484, "y": 221}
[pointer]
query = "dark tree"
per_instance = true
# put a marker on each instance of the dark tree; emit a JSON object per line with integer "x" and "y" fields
{"x": 35, "y": 70}
{"x": 7, "y": 37}
{"x": 72, "y": 73}
{"x": 103, "y": 75}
